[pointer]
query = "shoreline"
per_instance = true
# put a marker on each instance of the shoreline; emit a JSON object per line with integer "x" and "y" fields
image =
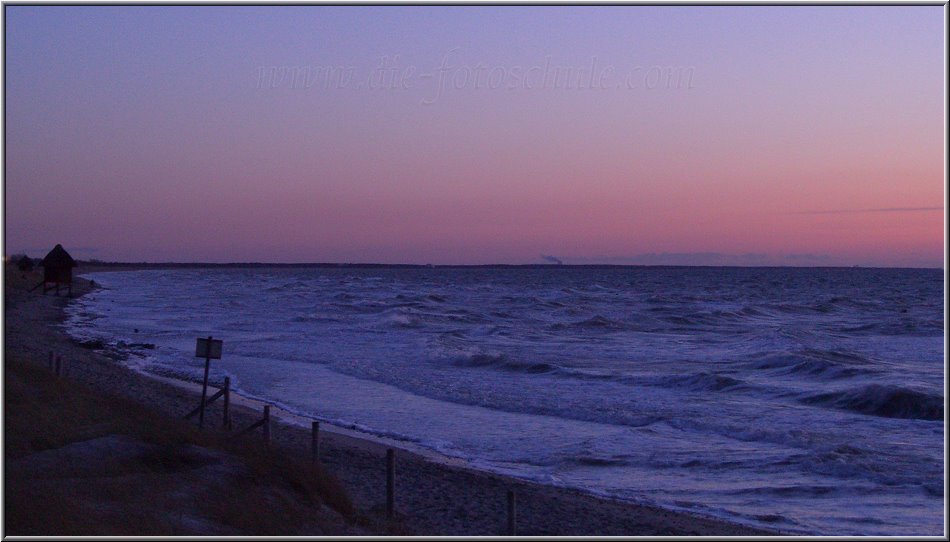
{"x": 301, "y": 422}
{"x": 435, "y": 494}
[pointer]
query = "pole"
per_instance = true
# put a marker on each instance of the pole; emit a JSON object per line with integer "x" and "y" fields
{"x": 204, "y": 387}
{"x": 315, "y": 442}
{"x": 226, "y": 421}
{"x": 267, "y": 424}
{"x": 511, "y": 513}
{"x": 390, "y": 482}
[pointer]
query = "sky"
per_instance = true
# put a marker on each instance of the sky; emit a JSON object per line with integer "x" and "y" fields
{"x": 713, "y": 135}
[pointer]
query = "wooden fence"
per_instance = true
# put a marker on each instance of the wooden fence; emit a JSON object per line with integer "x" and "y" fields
{"x": 59, "y": 368}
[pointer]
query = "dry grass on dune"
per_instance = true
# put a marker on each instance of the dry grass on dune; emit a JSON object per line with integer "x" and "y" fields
{"x": 150, "y": 475}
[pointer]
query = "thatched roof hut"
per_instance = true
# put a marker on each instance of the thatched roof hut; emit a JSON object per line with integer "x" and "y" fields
{"x": 58, "y": 267}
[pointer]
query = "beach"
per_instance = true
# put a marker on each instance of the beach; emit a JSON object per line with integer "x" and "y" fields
{"x": 433, "y": 496}
{"x": 489, "y": 271}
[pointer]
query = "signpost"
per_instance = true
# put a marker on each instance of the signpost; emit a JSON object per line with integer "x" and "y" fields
{"x": 209, "y": 349}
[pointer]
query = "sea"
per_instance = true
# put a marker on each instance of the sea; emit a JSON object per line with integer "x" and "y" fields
{"x": 807, "y": 400}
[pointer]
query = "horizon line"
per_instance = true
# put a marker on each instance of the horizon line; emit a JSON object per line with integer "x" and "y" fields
{"x": 93, "y": 263}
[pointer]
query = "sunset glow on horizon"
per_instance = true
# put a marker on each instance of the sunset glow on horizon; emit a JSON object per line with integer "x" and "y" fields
{"x": 755, "y": 135}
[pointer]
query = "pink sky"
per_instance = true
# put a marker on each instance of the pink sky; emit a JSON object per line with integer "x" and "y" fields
{"x": 145, "y": 134}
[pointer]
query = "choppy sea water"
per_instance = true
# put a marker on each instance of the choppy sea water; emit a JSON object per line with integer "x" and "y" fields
{"x": 806, "y": 400}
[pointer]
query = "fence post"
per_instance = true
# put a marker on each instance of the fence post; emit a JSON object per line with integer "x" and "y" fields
{"x": 511, "y": 512}
{"x": 390, "y": 482}
{"x": 315, "y": 442}
{"x": 267, "y": 424}
{"x": 226, "y": 420}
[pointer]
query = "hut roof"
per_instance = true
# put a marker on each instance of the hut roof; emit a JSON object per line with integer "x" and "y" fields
{"x": 58, "y": 258}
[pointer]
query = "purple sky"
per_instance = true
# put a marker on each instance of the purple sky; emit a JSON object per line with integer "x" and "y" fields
{"x": 725, "y": 135}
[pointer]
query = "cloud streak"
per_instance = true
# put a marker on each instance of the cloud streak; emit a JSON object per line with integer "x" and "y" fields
{"x": 879, "y": 210}
{"x": 719, "y": 259}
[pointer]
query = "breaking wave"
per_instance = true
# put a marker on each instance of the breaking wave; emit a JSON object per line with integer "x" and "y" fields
{"x": 824, "y": 364}
{"x": 888, "y": 401}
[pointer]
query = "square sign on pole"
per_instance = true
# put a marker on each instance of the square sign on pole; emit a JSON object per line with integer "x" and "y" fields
{"x": 208, "y": 348}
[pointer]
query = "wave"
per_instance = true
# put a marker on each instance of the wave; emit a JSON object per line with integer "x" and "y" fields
{"x": 674, "y": 298}
{"x": 846, "y": 301}
{"x": 841, "y": 461}
{"x": 826, "y": 364}
{"x": 314, "y": 317}
{"x": 135, "y": 346}
{"x": 405, "y": 320}
{"x": 295, "y": 285}
{"x": 905, "y": 326}
{"x": 753, "y": 312}
{"x": 735, "y": 321}
{"x": 596, "y": 322}
{"x": 503, "y": 362}
{"x": 798, "y": 309}
{"x": 887, "y": 401}
{"x": 796, "y": 490}
{"x": 364, "y": 307}
{"x": 704, "y": 382}
{"x": 597, "y": 461}
{"x": 479, "y": 360}
{"x": 600, "y": 322}
{"x": 699, "y": 382}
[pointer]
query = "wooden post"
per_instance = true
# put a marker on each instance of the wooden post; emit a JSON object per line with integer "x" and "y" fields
{"x": 315, "y": 442}
{"x": 226, "y": 419}
{"x": 59, "y": 365}
{"x": 204, "y": 387}
{"x": 267, "y": 424}
{"x": 50, "y": 361}
{"x": 390, "y": 482}
{"x": 511, "y": 512}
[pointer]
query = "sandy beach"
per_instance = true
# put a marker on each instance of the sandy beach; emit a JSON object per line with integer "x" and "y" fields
{"x": 433, "y": 496}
